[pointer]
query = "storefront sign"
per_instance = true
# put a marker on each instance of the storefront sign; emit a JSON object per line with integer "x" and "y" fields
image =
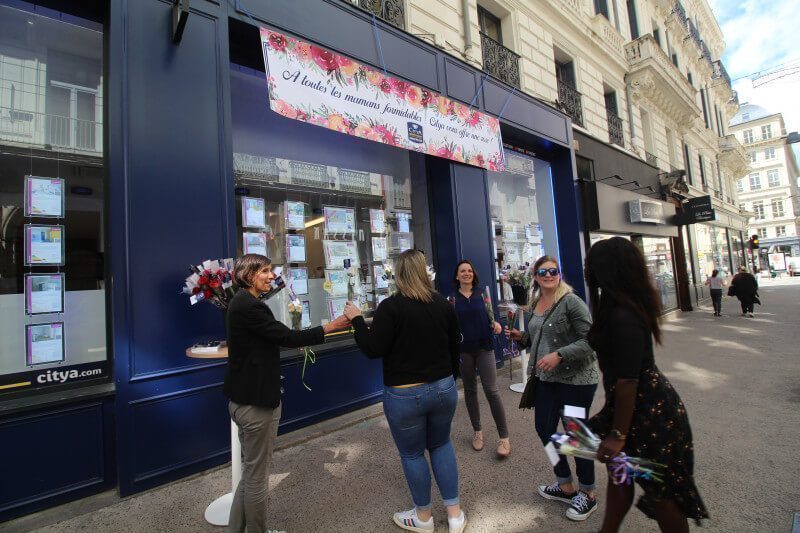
{"x": 317, "y": 86}
{"x": 700, "y": 209}
{"x": 646, "y": 211}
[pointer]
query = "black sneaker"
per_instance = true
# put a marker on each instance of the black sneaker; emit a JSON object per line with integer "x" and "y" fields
{"x": 553, "y": 492}
{"x": 582, "y": 506}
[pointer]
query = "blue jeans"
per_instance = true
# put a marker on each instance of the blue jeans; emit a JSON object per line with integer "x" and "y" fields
{"x": 419, "y": 418}
{"x": 551, "y": 397}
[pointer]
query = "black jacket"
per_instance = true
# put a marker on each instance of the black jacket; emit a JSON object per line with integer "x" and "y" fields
{"x": 746, "y": 285}
{"x": 254, "y": 340}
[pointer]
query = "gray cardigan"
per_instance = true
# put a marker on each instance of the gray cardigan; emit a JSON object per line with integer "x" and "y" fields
{"x": 565, "y": 330}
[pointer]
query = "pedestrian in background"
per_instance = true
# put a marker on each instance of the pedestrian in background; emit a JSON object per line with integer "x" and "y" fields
{"x": 715, "y": 283}
{"x": 253, "y": 383}
{"x": 477, "y": 356}
{"x": 416, "y": 333}
{"x": 745, "y": 288}
{"x": 643, "y": 416}
{"x": 566, "y": 369}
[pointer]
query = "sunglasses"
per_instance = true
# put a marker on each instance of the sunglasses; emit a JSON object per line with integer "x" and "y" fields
{"x": 542, "y": 272}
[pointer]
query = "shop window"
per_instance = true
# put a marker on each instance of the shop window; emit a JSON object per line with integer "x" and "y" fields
{"x": 52, "y": 275}
{"x": 773, "y": 178}
{"x": 523, "y": 216}
{"x": 332, "y": 210}
{"x": 712, "y": 250}
{"x": 658, "y": 254}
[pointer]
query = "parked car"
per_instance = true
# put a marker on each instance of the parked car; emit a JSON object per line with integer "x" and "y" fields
{"x": 793, "y": 266}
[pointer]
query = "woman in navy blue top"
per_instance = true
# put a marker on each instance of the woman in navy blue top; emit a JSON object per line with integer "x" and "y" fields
{"x": 477, "y": 356}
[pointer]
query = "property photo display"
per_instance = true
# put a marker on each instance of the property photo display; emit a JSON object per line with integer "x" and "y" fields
{"x": 44, "y": 245}
{"x": 45, "y": 343}
{"x": 44, "y": 293}
{"x": 44, "y": 197}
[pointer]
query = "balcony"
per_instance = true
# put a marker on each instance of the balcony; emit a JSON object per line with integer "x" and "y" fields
{"x": 41, "y": 130}
{"x": 499, "y": 61}
{"x": 615, "y": 129}
{"x": 653, "y": 160}
{"x": 609, "y": 37}
{"x": 732, "y": 156}
{"x": 392, "y": 11}
{"x": 569, "y": 101}
{"x": 653, "y": 77}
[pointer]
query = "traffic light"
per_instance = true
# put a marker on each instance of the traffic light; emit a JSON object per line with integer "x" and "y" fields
{"x": 754, "y": 242}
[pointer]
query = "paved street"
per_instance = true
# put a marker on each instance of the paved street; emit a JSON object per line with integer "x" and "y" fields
{"x": 738, "y": 377}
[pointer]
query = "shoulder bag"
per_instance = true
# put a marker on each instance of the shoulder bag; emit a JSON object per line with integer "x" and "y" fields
{"x": 528, "y": 399}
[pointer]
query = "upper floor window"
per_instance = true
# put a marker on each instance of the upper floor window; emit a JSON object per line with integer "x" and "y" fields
{"x": 601, "y": 8}
{"x": 777, "y": 207}
{"x": 773, "y": 178}
{"x": 780, "y": 231}
{"x": 740, "y": 185}
{"x": 752, "y": 156}
{"x": 490, "y": 25}
{"x": 747, "y": 136}
{"x": 755, "y": 181}
{"x": 766, "y": 131}
{"x": 742, "y": 207}
{"x": 762, "y": 233}
{"x": 758, "y": 209}
{"x": 769, "y": 153}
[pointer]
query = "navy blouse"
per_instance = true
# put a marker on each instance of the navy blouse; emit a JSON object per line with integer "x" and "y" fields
{"x": 474, "y": 321}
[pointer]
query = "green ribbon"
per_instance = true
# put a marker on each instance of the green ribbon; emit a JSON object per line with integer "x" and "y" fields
{"x": 308, "y": 355}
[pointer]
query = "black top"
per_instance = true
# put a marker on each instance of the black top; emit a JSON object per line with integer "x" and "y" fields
{"x": 625, "y": 347}
{"x": 745, "y": 283}
{"x": 253, "y": 376}
{"x": 474, "y": 321}
{"x": 418, "y": 341}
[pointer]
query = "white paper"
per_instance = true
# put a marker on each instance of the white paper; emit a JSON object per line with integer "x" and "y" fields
{"x": 380, "y": 283}
{"x": 44, "y": 197}
{"x": 305, "y": 320}
{"x": 295, "y": 215}
{"x": 339, "y": 281}
{"x": 44, "y": 294}
{"x": 574, "y": 412}
{"x": 45, "y": 246}
{"x": 563, "y": 438}
{"x": 552, "y": 454}
{"x": 253, "y": 212}
{"x": 298, "y": 280}
{"x": 336, "y": 307}
{"x": 254, "y": 243}
{"x": 377, "y": 220}
{"x": 339, "y": 219}
{"x": 295, "y": 248}
{"x": 337, "y": 251}
{"x": 403, "y": 225}
{"x": 45, "y": 343}
{"x": 379, "y": 248}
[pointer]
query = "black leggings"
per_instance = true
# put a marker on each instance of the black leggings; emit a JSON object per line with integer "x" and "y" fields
{"x": 716, "y": 299}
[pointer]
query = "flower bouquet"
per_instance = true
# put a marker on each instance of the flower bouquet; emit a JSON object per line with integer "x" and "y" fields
{"x": 520, "y": 280}
{"x": 295, "y": 311}
{"x": 581, "y": 442}
{"x": 212, "y": 281}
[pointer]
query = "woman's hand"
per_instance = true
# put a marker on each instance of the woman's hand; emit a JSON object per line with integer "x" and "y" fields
{"x": 340, "y": 322}
{"x": 609, "y": 448}
{"x": 513, "y": 334}
{"x": 497, "y": 328}
{"x": 549, "y": 362}
{"x": 351, "y": 311}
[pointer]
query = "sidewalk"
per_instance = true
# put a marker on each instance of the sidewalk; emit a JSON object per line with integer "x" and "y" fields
{"x": 737, "y": 376}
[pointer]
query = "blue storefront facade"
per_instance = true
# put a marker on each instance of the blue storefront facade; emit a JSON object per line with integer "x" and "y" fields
{"x": 175, "y": 135}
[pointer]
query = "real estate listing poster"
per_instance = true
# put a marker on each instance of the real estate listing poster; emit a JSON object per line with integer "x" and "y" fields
{"x": 339, "y": 219}
{"x": 295, "y": 248}
{"x": 44, "y": 197}
{"x": 378, "y": 248}
{"x": 298, "y": 280}
{"x": 338, "y": 280}
{"x": 336, "y": 307}
{"x": 295, "y": 215}
{"x": 44, "y": 245}
{"x": 44, "y": 293}
{"x": 336, "y": 252}
{"x": 254, "y": 243}
{"x": 45, "y": 343}
{"x": 377, "y": 220}
{"x": 253, "y": 212}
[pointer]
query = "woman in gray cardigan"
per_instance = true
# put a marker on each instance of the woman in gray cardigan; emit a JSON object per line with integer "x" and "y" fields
{"x": 567, "y": 369}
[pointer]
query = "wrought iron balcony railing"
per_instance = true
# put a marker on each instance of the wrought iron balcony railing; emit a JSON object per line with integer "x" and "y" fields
{"x": 499, "y": 61}
{"x": 392, "y": 11}
{"x": 569, "y": 100}
{"x": 720, "y": 72}
{"x": 50, "y": 131}
{"x": 615, "y": 129}
{"x": 680, "y": 12}
{"x": 653, "y": 160}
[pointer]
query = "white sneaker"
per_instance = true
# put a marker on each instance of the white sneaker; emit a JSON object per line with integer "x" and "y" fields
{"x": 750, "y": 315}
{"x": 457, "y": 525}
{"x": 410, "y": 521}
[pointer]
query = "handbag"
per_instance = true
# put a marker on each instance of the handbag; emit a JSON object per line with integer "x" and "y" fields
{"x": 732, "y": 290}
{"x": 528, "y": 399}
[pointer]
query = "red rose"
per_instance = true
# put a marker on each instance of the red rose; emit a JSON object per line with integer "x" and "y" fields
{"x": 214, "y": 284}
{"x": 324, "y": 58}
{"x": 426, "y": 97}
{"x": 277, "y": 41}
{"x": 195, "y": 290}
{"x": 572, "y": 426}
{"x": 207, "y": 293}
{"x": 399, "y": 87}
{"x": 385, "y": 86}
{"x": 203, "y": 280}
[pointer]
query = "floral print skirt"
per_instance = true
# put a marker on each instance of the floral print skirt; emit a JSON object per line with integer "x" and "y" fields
{"x": 659, "y": 432}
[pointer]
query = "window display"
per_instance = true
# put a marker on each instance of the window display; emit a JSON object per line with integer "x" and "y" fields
{"x": 523, "y": 215}
{"x": 52, "y": 249}
{"x": 253, "y": 213}
{"x": 339, "y": 209}
{"x": 658, "y": 255}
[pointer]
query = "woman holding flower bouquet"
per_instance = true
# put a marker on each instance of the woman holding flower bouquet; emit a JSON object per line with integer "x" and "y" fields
{"x": 565, "y": 367}
{"x": 253, "y": 383}
{"x": 643, "y": 416}
{"x": 416, "y": 333}
{"x": 477, "y": 355}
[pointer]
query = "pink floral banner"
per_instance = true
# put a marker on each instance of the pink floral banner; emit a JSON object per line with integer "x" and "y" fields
{"x": 317, "y": 86}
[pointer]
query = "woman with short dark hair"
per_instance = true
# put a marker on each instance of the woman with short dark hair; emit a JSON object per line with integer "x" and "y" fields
{"x": 253, "y": 383}
{"x": 415, "y": 331}
{"x": 477, "y": 355}
{"x": 643, "y": 416}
